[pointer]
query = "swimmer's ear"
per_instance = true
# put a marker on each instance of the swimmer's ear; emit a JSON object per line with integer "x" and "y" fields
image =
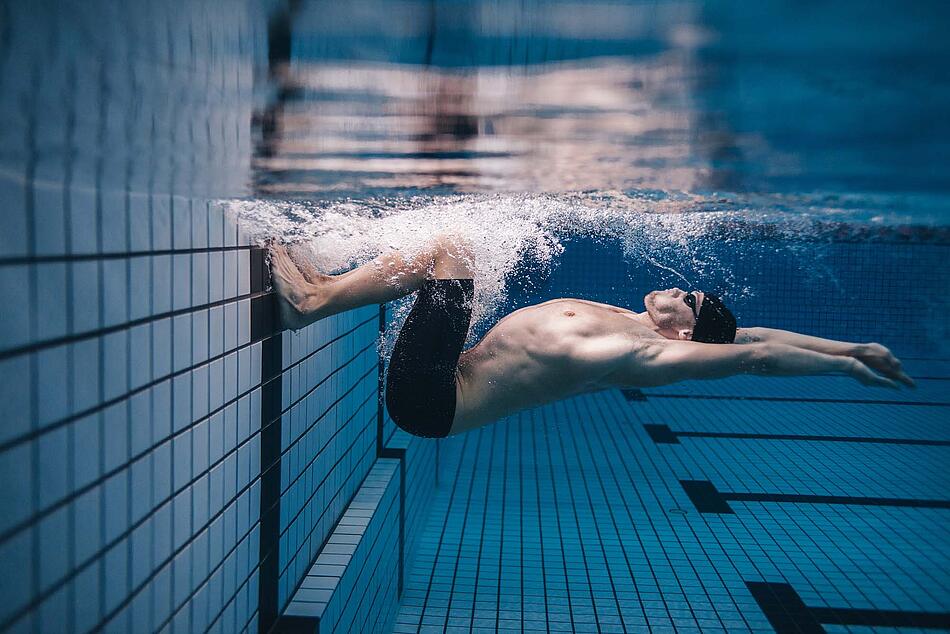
{"x": 684, "y": 334}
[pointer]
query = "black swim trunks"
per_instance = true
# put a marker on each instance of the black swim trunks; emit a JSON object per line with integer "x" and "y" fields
{"x": 420, "y": 384}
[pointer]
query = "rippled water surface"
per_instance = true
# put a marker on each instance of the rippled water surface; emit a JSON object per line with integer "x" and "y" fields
{"x": 676, "y": 134}
{"x": 803, "y": 105}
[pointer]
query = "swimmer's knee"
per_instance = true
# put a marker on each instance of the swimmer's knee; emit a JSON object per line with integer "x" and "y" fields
{"x": 451, "y": 256}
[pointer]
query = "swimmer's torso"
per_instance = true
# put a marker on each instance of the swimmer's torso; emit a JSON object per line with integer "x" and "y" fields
{"x": 543, "y": 353}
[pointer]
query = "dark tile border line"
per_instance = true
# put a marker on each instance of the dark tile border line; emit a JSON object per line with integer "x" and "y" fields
{"x": 264, "y": 300}
{"x": 55, "y": 506}
{"x": 264, "y": 321}
{"x": 9, "y": 353}
{"x": 346, "y": 452}
{"x": 663, "y": 435}
{"x": 706, "y": 498}
{"x": 66, "y": 258}
{"x": 632, "y": 395}
{"x": 398, "y": 453}
{"x": 788, "y": 614}
{"x": 380, "y": 383}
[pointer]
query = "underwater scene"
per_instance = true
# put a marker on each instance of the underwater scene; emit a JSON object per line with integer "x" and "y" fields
{"x": 247, "y": 385}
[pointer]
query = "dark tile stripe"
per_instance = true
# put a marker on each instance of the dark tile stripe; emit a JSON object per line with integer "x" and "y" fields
{"x": 708, "y": 499}
{"x": 705, "y": 497}
{"x": 835, "y": 499}
{"x": 270, "y": 482}
{"x": 662, "y": 434}
{"x": 101, "y": 332}
{"x": 784, "y": 609}
{"x": 791, "y": 399}
{"x": 787, "y": 613}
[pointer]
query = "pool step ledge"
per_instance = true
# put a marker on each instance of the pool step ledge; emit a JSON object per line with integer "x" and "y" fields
{"x": 352, "y": 584}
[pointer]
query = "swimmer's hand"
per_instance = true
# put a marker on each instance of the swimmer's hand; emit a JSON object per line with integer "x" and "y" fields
{"x": 879, "y": 358}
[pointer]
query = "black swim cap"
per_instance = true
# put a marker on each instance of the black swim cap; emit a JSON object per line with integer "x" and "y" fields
{"x": 716, "y": 323}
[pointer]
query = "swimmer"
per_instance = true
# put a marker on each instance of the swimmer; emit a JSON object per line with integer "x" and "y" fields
{"x": 551, "y": 350}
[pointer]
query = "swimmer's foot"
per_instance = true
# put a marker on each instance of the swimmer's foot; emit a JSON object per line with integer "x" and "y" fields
{"x": 298, "y": 254}
{"x": 298, "y": 299}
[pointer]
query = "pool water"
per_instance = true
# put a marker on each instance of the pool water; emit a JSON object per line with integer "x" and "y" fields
{"x": 793, "y": 154}
{"x": 170, "y": 460}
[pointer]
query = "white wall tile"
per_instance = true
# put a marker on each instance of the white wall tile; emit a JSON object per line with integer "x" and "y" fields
{"x": 48, "y": 211}
{"x": 162, "y": 276}
{"x": 140, "y": 223}
{"x": 16, "y": 572}
{"x": 182, "y": 387}
{"x": 16, "y": 466}
{"x": 15, "y": 324}
{"x": 199, "y": 403}
{"x": 181, "y": 288}
{"x": 55, "y": 610}
{"x": 181, "y": 222}
{"x": 140, "y": 350}
{"x": 87, "y": 513}
{"x": 115, "y": 359}
{"x": 53, "y": 456}
{"x": 52, "y": 379}
{"x": 199, "y": 279}
{"x": 161, "y": 222}
{"x": 114, "y": 221}
{"x": 116, "y": 563}
{"x": 115, "y": 505}
{"x": 140, "y": 287}
{"x": 161, "y": 348}
{"x": 140, "y": 422}
{"x": 52, "y": 306}
{"x": 13, "y": 199}
{"x": 114, "y": 291}
{"x": 181, "y": 340}
{"x": 82, "y": 219}
{"x": 15, "y": 405}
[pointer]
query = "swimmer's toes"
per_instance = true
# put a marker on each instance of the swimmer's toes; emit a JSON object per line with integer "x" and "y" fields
{"x": 298, "y": 256}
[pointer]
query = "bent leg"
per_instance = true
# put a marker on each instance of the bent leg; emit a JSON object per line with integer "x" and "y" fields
{"x": 307, "y": 298}
{"x": 421, "y": 388}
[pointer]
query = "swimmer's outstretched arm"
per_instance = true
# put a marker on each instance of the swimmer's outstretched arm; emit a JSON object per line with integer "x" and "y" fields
{"x": 873, "y": 355}
{"x": 664, "y": 362}
{"x": 306, "y": 295}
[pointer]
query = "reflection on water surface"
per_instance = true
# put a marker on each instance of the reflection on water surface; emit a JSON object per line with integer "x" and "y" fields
{"x": 801, "y": 105}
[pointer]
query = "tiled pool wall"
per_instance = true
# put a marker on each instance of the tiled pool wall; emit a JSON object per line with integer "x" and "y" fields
{"x": 168, "y": 461}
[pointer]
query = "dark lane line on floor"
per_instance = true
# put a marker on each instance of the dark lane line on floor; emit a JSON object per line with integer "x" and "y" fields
{"x": 708, "y": 499}
{"x": 639, "y": 395}
{"x": 788, "y": 614}
{"x": 663, "y": 435}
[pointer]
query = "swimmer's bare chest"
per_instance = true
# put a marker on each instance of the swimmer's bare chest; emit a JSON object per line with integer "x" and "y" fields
{"x": 537, "y": 354}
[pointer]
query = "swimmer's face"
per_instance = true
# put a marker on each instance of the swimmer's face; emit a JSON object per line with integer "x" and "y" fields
{"x": 673, "y": 316}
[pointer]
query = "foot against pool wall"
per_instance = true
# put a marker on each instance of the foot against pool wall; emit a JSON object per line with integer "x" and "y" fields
{"x": 167, "y": 461}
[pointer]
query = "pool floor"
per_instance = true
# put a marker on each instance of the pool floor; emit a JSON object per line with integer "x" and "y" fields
{"x": 747, "y": 504}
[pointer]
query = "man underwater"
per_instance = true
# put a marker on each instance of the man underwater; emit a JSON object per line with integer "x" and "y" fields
{"x": 549, "y": 351}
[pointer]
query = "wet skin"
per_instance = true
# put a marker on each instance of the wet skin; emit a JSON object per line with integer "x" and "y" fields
{"x": 566, "y": 347}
